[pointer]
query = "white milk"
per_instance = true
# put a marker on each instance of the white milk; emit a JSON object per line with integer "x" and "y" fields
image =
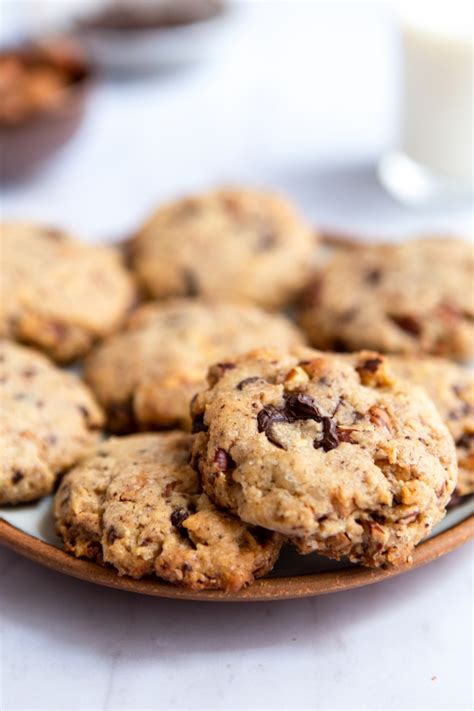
{"x": 436, "y": 129}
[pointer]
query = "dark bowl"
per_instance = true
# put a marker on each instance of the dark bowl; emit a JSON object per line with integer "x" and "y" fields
{"x": 25, "y": 144}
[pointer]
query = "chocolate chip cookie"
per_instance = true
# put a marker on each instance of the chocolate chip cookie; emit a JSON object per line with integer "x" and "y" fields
{"x": 239, "y": 245}
{"x": 58, "y": 294}
{"x": 146, "y": 376}
{"x": 451, "y": 387}
{"x": 136, "y": 504}
{"x": 414, "y": 297}
{"x": 48, "y": 420}
{"x": 333, "y": 452}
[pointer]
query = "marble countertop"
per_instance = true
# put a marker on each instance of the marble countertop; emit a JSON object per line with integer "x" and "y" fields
{"x": 302, "y": 99}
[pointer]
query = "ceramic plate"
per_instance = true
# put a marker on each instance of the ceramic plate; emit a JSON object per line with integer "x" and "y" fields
{"x": 29, "y": 531}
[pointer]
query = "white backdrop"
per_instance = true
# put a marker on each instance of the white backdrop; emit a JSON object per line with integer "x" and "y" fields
{"x": 301, "y": 97}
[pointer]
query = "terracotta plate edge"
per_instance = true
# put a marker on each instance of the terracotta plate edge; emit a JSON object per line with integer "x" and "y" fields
{"x": 265, "y": 589}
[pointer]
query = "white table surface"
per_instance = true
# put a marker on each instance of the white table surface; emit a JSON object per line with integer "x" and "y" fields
{"x": 301, "y": 98}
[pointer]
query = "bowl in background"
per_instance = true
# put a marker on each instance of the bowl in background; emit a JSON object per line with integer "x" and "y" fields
{"x": 133, "y": 37}
{"x": 43, "y": 95}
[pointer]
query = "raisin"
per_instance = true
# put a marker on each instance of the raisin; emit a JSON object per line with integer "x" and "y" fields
{"x": 223, "y": 460}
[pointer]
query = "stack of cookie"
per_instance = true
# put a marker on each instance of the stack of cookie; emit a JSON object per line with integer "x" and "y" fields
{"x": 201, "y": 482}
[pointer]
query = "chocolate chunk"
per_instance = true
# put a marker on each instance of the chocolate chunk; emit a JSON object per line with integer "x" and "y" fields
{"x": 223, "y": 460}
{"x": 198, "y": 424}
{"x": 329, "y": 439}
{"x": 178, "y": 517}
{"x": 247, "y": 381}
{"x": 191, "y": 284}
{"x": 266, "y": 418}
{"x": 407, "y": 323}
{"x": 301, "y": 407}
{"x": 17, "y": 476}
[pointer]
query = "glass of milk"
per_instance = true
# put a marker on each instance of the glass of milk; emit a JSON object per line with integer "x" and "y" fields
{"x": 433, "y": 161}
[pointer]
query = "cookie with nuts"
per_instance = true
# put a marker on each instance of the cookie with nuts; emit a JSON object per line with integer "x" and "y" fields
{"x": 136, "y": 504}
{"x": 451, "y": 387}
{"x": 48, "y": 420}
{"x": 146, "y": 376}
{"x": 413, "y": 297}
{"x": 231, "y": 244}
{"x": 333, "y": 452}
{"x": 57, "y": 294}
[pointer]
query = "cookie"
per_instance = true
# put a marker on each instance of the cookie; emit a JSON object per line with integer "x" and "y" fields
{"x": 332, "y": 452}
{"x": 414, "y": 297}
{"x": 48, "y": 421}
{"x": 451, "y": 387}
{"x": 57, "y": 294}
{"x": 236, "y": 245}
{"x": 135, "y": 503}
{"x": 146, "y": 376}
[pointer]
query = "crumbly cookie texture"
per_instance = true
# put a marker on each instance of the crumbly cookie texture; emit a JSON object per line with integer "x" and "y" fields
{"x": 331, "y": 451}
{"x": 136, "y": 504}
{"x": 58, "y": 294}
{"x": 414, "y": 297}
{"x": 146, "y": 376}
{"x": 233, "y": 244}
{"x": 451, "y": 387}
{"x": 48, "y": 421}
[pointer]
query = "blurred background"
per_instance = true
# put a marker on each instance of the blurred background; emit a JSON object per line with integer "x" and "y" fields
{"x": 298, "y": 96}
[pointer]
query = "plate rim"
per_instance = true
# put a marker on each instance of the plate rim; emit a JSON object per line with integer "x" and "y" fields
{"x": 264, "y": 589}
